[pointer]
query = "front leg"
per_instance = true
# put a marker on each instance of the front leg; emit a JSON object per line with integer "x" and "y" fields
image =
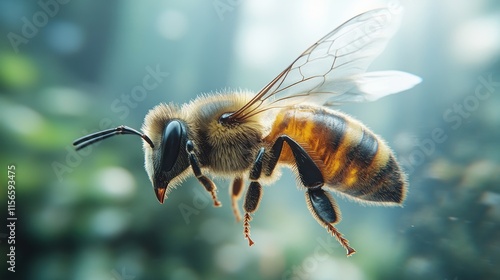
{"x": 204, "y": 180}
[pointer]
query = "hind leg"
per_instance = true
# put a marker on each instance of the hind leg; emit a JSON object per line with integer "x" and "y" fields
{"x": 320, "y": 203}
{"x": 325, "y": 211}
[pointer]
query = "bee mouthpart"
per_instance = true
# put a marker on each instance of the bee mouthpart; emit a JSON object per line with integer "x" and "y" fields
{"x": 160, "y": 194}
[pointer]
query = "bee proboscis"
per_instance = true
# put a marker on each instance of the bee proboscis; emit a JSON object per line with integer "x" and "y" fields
{"x": 247, "y": 137}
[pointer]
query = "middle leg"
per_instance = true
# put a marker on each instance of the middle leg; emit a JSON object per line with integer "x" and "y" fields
{"x": 309, "y": 174}
{"x": 235, "y": 192}
{"x": 253, "y": 195}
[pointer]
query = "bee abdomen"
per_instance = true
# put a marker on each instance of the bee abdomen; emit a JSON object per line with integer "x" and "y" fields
{"x": 366, "y": 168}
{"x": 351, "y": 158}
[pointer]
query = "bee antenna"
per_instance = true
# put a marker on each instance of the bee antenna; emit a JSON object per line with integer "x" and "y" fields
{"x": 83, "y": 142}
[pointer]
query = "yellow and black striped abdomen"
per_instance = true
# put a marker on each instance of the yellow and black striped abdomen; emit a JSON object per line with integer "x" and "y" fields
{"x": 351, "y": 158}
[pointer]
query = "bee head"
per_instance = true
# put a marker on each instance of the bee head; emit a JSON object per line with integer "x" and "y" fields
{"x": 166, "y": 162}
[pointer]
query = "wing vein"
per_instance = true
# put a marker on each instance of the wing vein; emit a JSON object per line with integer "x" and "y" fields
{"x": 328, "y": 71}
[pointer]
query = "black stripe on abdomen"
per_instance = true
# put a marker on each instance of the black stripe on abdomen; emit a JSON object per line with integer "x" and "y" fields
{"x": 362, "y": 155}
{"x": 337, "y": 126}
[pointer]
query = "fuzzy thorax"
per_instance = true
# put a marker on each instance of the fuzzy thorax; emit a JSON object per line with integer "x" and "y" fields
{"x": 225, "y": 148}
{"x": 222, "y": 149}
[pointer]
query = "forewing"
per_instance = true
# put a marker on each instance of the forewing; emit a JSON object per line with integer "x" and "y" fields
{"x": 332, "y": 70}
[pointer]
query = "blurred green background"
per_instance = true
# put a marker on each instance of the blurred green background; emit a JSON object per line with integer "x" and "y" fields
{"x": 72, "y": 67}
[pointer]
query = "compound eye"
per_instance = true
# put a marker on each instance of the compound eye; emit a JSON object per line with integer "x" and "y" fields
{"x": 170, "y": 145}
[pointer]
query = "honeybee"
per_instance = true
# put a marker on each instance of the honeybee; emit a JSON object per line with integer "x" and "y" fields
{"x": 246, "y": 136}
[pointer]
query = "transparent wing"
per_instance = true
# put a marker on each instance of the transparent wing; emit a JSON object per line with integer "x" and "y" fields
{"x": 332, "y": 71}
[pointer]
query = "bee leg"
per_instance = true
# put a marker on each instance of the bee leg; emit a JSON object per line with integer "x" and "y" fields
{"x": 204, "y": 180}
{"x": 309, "y": 173}
{"x": 320, "y": 203}
{"x": 325, "y": 211}
{"x": 253, "y": 195}
{"x": 235, "y": 193}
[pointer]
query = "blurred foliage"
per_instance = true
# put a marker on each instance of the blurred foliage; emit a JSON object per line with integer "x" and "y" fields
{"x": 92, "y": 214}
